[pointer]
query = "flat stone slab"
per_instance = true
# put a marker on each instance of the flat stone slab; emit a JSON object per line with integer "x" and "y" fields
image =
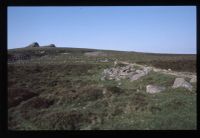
{"x": 154, "y": 89}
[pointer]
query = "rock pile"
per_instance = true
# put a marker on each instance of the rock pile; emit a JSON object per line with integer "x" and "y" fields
{"x": 129, "y": 72}
{"x": 140, "y": 73}
{"x": 180, "y": 82}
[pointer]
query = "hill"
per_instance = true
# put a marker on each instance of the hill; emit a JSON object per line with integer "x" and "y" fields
{"x": 178, "y": 62}
{"x": 88, "y": 89}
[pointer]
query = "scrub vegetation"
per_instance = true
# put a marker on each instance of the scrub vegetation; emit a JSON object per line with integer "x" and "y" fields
{"x": 61, "y": 89}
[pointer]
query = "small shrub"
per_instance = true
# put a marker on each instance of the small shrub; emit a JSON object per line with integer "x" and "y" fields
{"x": 17, "y": 95}
{"x": 91, "y": 94}
{"x": 37, "y": 103}
{"x": 114, "y": 89}
{"x": 66, "y": 120}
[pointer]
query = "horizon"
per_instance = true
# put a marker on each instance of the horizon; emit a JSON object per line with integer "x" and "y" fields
{"x": 146, "y": 29}
{"x": 113, "y": 50}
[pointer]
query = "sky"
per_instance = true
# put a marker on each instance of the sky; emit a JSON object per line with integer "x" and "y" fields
{"x": 153, "y": 29}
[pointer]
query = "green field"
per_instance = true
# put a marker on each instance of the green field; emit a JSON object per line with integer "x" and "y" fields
{"x": 56, "y": 91}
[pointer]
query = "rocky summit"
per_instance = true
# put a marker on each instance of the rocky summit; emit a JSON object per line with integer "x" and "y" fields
{"x": 34, "y": 44}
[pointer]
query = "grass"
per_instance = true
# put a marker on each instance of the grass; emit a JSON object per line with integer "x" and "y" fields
{"x": 70, "y": 96}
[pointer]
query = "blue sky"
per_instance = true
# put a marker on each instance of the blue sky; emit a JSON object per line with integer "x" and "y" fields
{"x": 157, "y": 29}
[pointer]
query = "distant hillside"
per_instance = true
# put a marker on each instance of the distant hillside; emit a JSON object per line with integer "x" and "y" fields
{"x": 179, "y": 62}
{"x": 51, "y": 88}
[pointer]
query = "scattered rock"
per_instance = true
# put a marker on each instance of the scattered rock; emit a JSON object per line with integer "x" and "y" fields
{"x": 147, "y": 70}
{"x": 117, "y": 79}
{"x": 42, "y": 52}
{"x": 119, "y": 83}
{"x": 180, "y": 82}
{"x": 137, "y": 76}
{"x": 115, "y": 63}
{"x": 169, "y": 70}
{"x": 123, "y": 72}
{"x": 105, "y": 60}
{"x": 154, "y": 89}
{"x": 139, "y": 71}
{"x": 65, "y": 53}
{"x": 193, "y": 80}
{"x": 34, "y": 44}
{"x": 156, "y": 70}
